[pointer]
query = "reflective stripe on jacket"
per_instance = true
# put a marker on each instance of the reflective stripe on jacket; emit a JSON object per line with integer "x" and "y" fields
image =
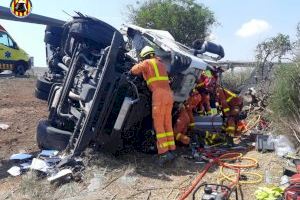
{"x": 154, "y": 73}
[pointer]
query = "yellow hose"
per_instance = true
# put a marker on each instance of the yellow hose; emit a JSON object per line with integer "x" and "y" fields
{"x": 229, "y": 177}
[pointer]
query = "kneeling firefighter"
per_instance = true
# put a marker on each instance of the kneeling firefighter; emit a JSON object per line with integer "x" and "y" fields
{"x": 186, "y": 118}
{"x": 231, "y": 105}
{"x": 155, "y": 74}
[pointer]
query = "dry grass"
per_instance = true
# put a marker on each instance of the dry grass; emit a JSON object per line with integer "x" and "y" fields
{"x": 123, "y": 178}
{"x": 234, "y": 80}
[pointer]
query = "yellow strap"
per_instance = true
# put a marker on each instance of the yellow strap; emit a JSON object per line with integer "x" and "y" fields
{"x": 168, "y": 134}
{"x": 226, "y": 110}
{"x": 200, "y": 84}
{"x": 161, "y": 78}
{"x": 155, "y": 67}
{"x": 230, "y": 128}
{"x": 161, "y": 135}
{"x": 157, "y": 75}
{"x": 207, "y": 134}
{"x": 214, "y": 111}
{"x": 171, "y": 143}
{"x": 230, "y": 93}
{"x": 192, "y": 124}
{"x": 214, "y": 136}
{"x": 229, "y": 99}
{"x": 178, "y": 136}
{"x": 166, "y": 144}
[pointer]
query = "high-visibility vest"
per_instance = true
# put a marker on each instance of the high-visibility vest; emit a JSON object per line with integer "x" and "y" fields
{"x": 157, "y": 75}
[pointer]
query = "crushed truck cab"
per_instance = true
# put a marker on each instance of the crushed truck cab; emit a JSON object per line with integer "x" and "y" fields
{"x": 12, "y": 57}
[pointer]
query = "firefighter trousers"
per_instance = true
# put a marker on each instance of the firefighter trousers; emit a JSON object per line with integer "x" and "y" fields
{"x": 162, "y": 104}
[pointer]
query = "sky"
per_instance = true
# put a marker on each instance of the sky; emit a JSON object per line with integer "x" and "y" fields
{"x": 242, "y": 24}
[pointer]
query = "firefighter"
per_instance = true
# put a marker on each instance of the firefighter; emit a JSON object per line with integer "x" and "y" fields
{"x": 185, "y": 118}
{"x": 207, "y": 81}
{"x": 203, "y": 82}
{"x": 231, "y": 106}
{"x": 154, "y": 73}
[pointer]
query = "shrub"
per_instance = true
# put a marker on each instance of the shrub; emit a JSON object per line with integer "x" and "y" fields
{"x": 285, "y": 99}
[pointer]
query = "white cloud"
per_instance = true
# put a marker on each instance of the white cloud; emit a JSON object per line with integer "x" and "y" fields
{"x": 253, "y": 27}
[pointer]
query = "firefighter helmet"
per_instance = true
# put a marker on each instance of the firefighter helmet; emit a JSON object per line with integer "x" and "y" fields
{"x": 147, "y": 51}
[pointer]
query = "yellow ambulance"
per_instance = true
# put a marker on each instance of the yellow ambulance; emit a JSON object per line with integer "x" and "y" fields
{"x": 12, "y": 57}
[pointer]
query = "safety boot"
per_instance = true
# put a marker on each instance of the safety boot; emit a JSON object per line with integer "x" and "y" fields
{"x": 165, "y": 158}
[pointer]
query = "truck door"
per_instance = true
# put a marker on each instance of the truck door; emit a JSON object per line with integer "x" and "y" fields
{"x": 8, "y": 52}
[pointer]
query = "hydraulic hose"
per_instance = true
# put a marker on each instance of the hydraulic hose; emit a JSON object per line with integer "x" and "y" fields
{"x": 197, "y": 180}
{"x": 251, "y": 165}
{"x": 220, "y": 161}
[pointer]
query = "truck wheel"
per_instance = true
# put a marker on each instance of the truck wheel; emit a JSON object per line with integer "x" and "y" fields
{"x": 43, "y": 85}
{"x": 49, "y": 137}
{"x": 42, "y": 95}
{"x": 19, "y": 70}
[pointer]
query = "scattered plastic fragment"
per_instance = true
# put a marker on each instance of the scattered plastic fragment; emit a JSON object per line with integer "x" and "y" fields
{"x": 4, "y": 126}
{"x": 20, "y": 156}
{"x": 25, "y": 166}
{"x": 60, "y": 175}
{"x": 14, "y": 171}
{"x": 53, "y": 160}
{"x": 49, "y": 153}
{"x": 283, "y": 146}
{"x": 40, "y": 165}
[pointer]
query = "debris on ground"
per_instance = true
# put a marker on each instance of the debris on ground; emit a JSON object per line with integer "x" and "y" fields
{"x": 20, "y": 156}
{"x": 14, "y": 171}
{"x": 4, "y": 126}
{"x": 63, "y": 174}
{"x": 268, "y": 193}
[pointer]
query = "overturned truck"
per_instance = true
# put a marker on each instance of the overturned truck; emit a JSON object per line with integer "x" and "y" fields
{"x": 98, "y": 101}
{"x": 91, "y": 97}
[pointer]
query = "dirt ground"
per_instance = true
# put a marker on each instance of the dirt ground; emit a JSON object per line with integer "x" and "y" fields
{"x": 131, "y": 176}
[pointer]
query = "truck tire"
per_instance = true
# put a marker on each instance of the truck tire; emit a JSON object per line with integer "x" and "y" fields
{"x": 43, "y": 85}
{"x": 19, "y": 69}
{"x": 49, "y": 137}
{"x": 42, "y": 95}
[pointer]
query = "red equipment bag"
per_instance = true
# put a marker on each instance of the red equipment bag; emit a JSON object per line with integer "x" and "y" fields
{"x": 292, "y": 192}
